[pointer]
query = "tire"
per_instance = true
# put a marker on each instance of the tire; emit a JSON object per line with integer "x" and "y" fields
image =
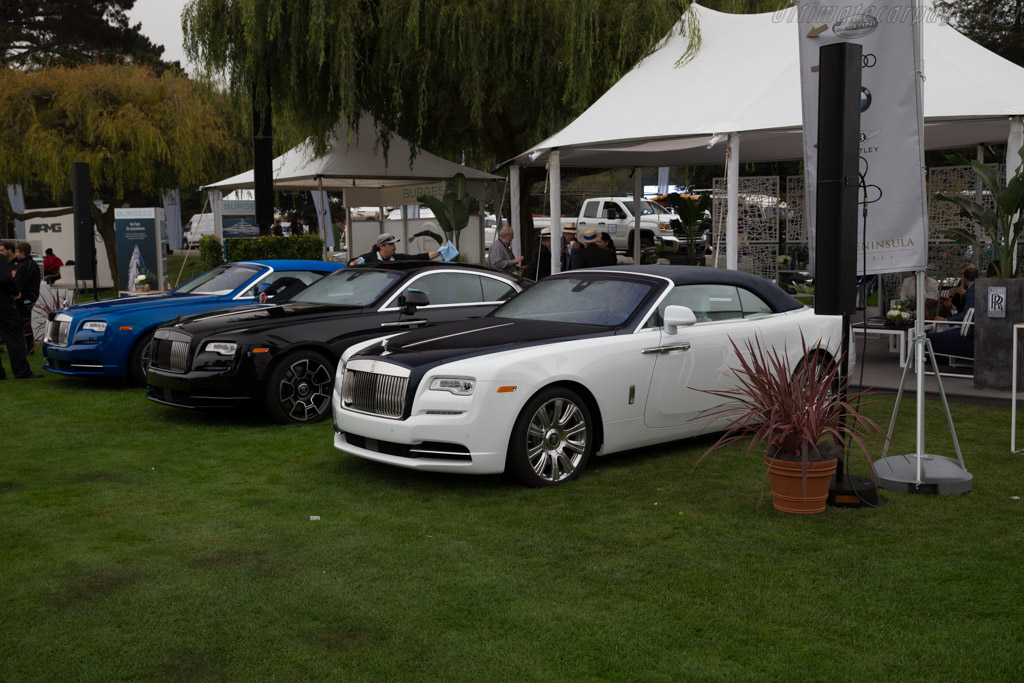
{"x": 823, "y": 366}
{"x": 299, "y": 388}
{"x": 138, "y": 360}
{"x": 551, "y": 441}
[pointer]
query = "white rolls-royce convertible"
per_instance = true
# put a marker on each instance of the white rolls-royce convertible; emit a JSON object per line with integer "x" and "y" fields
{"x": 586, "y": 362}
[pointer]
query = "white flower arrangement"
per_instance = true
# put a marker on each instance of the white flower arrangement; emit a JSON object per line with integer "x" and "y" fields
{"x": 142, "y": 279}
{"x": 900, "y": 313}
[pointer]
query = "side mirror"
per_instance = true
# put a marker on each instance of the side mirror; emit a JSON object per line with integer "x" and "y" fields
{"x": 678, "y": 316}
{"x": 411, "y": 299}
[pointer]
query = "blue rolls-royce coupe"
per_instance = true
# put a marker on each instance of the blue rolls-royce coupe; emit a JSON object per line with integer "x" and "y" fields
{"x": 111, "y": 338}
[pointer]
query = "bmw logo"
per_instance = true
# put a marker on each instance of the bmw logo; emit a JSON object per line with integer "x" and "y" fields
{"x": 865, "y": 99}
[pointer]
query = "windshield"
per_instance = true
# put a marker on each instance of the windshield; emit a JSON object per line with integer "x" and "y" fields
{"x": 589, "y": 300}
{"x": 648, "y": 207}
{"x": 349, "y": 287}
{"x": 219, "y": 281}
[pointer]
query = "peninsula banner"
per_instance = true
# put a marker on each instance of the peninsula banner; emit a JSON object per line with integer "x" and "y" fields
{"x": 895, "y": 237}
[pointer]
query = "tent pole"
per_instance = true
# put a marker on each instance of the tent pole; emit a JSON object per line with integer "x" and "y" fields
{"x": 555, "y": 177}
{"x": 732, "y": 175}
{"x": 514, "y": 207}
{"x": 638, "y": 192}
{"x": 320, "y": 214}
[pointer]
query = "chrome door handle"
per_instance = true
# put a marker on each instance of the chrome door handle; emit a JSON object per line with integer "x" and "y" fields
{"x": 685, "y": 346}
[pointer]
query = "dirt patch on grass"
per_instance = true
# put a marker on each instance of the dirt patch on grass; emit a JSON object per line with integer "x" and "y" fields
{"x": 190, "y": 667}
{"x": 345, "y": 639}
{"x": 99, "y": 583}
{"x": 9, "y": 486}
{"x": 238, "y": 558}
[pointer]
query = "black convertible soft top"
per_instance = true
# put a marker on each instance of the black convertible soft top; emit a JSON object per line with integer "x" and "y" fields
{"x": 774, "y": 295}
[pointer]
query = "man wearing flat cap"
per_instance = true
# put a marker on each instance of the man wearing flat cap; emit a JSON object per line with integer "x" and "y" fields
{"x": 384, "y": 248}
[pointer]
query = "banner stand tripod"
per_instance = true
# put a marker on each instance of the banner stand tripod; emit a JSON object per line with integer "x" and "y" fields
{"x": 921, "y": 472}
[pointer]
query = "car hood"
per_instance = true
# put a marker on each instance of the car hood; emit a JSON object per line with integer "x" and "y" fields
{"x": 467, "y": 338}
{"x": 144, "y": 303}
{"x": 259, "y": 317}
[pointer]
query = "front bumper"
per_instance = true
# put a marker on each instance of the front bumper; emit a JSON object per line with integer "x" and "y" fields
{"x": 470, "y": 442}
{"x": 82, "y": 360}
{"x": 204, "y": 390}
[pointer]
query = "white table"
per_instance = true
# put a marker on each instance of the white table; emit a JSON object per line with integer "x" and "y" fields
{"x": 899, "y": 337}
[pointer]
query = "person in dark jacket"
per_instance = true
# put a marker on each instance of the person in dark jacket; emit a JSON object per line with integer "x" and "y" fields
{"x": 593, "y": 254}
{"x": 385, "y": 248}
{"x": 27, "y": 278}
{"x": 10, "y": 322}
{"x": 958, "y": 341}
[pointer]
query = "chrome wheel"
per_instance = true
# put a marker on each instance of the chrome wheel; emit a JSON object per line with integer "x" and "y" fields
{"x": 301, "y": 388}
{"x": 556, "y": 439}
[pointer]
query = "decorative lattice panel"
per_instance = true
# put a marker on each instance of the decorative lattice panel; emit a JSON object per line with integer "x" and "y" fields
{"x": 796, "y": 225}
{"x": 945, "y": 258}
{"x": 944, "y": 217}
{"x": 759, "y": 259}
{"x": 759, "y": 209}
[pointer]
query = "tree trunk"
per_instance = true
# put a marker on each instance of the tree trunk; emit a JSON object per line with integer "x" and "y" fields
{"x": 104, "y": 221}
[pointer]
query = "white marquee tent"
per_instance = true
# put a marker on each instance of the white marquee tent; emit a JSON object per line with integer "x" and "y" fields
{"x": 744, "y": 84}
{"x": 359, "y": 170}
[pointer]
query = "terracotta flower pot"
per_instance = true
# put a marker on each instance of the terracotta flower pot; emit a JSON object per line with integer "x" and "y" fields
{"x": 787, "y": 481}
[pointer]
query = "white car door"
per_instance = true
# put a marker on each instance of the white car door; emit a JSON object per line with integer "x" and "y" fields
{"x": 696, "y": 358}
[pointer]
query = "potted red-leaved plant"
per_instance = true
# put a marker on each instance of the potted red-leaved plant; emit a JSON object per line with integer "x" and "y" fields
{"x": 799, "y": 417}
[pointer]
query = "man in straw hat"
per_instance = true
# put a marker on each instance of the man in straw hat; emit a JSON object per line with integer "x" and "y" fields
{"x": 594, "y": 253}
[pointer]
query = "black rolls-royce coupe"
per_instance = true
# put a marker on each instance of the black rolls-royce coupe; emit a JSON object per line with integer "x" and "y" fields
{"x": 284, "y": 355}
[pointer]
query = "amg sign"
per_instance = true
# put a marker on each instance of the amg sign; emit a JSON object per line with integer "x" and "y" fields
{"x": 35, "y": 228}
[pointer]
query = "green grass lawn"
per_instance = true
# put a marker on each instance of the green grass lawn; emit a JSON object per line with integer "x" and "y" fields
{"x": 144, "y": 543}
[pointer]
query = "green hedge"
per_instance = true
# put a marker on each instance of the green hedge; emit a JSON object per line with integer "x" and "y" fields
{"x": 211, "y": 253}
{"x": 308, "y": 247}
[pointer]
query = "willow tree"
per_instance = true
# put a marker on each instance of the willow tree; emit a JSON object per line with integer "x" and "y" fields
{"x": 486, "y": 79}
{"x": 139, "y": 133}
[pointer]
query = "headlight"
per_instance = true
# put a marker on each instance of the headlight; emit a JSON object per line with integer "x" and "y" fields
{"x": 95, "y": 326}
{"x": 221, "y": 348}
{"x": 454, "y": 385}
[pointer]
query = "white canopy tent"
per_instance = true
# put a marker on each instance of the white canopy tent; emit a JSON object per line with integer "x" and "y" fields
{"x": 358, "y": 169}
{"x": 744, "y": 82}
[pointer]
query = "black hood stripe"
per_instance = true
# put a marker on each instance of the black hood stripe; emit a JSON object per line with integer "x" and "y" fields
{"x": 454, "y": 334}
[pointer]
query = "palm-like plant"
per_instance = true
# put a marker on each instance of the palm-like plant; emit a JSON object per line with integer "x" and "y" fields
{"x": 452, "y": 211}
{"x": 1000, "y": 225}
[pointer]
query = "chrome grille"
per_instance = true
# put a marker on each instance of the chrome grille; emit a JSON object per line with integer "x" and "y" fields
{"x": 57, "y": 330}
{"x": 375, "y": 388}
{"x": 170, "y": 351}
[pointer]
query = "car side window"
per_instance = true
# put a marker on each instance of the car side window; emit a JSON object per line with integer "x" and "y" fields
{"x": 724, "y": 302}
{"x": 753, "y": 305}
{"x": 495, "y": 289}
{"x": 449, "y": 288}
{"x": 590, "y": 209}
{"x": 707, "y": 301}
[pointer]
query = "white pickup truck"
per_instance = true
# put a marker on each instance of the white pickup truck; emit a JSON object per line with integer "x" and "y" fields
{"x": 614, "y": 215}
